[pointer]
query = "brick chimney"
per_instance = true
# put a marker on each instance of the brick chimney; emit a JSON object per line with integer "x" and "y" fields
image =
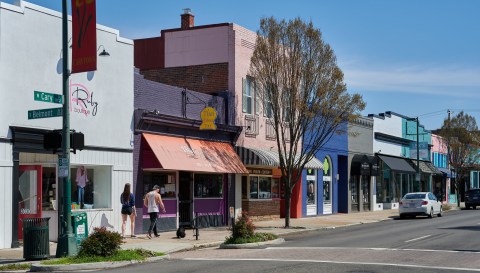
{"x": 187, "y": 19}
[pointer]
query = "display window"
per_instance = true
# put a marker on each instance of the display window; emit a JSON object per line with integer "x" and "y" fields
{"x": 91, "y": 187}
{"x": 208, "y": 185}
{"x": 166, "y": 182}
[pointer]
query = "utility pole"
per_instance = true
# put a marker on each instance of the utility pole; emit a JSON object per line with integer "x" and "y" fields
{"x": 418, "y": 157}
{"x": 67, "y": 245}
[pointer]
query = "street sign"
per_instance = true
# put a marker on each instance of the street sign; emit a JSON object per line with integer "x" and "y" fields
{"x": 47, "y": 97}
{"x": 63, "y": 167}
{"x": 45, "y": 113}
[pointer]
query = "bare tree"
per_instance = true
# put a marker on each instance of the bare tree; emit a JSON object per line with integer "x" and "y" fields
{"x": 301, "y": 85}
{"x": 461, "y": 133}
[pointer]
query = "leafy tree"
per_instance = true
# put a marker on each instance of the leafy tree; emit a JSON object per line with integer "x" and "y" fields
{"x": 302, "y": 86}
{"x": 461, "y": 134}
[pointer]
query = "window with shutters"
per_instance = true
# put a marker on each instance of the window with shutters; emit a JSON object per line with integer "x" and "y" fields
{"x": 248, "y": 95}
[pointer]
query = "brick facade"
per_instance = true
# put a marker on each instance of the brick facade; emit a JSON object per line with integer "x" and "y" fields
{"x": 262, "y": 210}
{"x": 209, "y": 78}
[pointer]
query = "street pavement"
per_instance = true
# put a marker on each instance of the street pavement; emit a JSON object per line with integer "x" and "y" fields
{"x": 169, "y": 243}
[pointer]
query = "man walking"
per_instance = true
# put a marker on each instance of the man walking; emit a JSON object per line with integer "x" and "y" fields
{"x": 151, "y": 201}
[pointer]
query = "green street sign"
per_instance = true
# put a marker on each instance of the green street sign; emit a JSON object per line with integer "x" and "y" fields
{"x": 45, "y": 113}
{"x": 47, "y": 97}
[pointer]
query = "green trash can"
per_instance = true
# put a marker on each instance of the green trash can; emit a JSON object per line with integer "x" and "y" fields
{"x": 36, "y": 242}
{"x": 80, "y": 226}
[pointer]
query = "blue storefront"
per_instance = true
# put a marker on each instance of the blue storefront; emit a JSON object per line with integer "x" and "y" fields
{"x": 322, "y": 188}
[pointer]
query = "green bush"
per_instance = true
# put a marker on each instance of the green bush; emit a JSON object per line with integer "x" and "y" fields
{"x": 256, "y": 238}
{"x": 101, "y": 242}
{"x": 243, "y": 227}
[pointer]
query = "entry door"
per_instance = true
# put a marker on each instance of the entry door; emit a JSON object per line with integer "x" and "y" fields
{"x": 354, "y": 189}
{"x": 29, "y": 194}
{"x": 327, "y": 195}
{"x": 366, "y": 192}
{"x": 185, "y": 199}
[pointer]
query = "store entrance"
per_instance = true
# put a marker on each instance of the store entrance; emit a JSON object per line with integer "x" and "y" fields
{"x": 29, "y": 194}
{"x": 185, "y": 199}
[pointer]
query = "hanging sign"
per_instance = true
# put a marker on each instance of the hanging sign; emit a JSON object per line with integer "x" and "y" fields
{"x": 84, "y": 36}
{"x": 208, "y": 116}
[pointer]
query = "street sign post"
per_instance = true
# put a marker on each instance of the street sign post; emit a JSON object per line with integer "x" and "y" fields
{"x": 47, "y": 97}
{"x": 45, "y": 113}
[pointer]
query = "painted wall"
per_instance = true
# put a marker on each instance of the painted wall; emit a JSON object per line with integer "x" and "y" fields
{"x": 409, "y": 128}
{"x": 31, "y": 49}
{"x": 391, "y": 125}
{"x": 197, "y": 47}
{"x": 439, "y": 144}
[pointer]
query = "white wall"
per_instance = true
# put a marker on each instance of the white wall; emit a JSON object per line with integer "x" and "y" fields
{"x": 6, "y": 169}
{"x": 389, "y": 125}
{"x": 31, "y": 48}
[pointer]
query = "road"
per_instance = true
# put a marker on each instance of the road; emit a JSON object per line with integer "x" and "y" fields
{"x": 447, "y": 244}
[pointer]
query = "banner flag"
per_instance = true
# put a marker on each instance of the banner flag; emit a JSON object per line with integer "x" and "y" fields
{"x": 84, "y": 36}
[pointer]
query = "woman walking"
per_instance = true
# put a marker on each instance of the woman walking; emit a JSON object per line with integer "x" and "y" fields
{"x": 128, "y": 209}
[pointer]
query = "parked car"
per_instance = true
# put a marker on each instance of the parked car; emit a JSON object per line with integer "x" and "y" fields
{"x": 420, "y": 203}
{"x": 472, "y": 198}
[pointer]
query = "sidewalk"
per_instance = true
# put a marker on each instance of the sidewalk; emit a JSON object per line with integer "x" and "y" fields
{"x": 168, "y": 242}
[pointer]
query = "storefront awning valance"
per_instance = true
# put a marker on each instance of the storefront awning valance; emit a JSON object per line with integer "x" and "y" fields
{"x": 363, "y": 164}
{"x": 187, "y": 154}
{"x": 397, "y": 164}
{"x": 261, "y": 157}
{"x": 427, "y": 167}
{"x": 447, "y": 172}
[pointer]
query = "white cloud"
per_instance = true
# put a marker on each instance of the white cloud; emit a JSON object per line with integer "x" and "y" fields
{"x": 452, "y": 81}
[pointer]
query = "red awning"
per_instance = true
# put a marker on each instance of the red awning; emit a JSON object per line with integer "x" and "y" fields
{"x": 187, "y": 154}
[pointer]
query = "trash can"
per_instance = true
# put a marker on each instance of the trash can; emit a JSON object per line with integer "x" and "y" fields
{"x": 36, "y": 243}
{"x": 80, "y": 226}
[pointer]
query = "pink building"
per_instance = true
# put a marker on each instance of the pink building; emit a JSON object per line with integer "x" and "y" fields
{"x": 440, "y": 160}
{"x": 215, "y": 59}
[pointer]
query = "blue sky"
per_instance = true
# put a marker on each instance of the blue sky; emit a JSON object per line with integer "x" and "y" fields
{"x": 416, "y": 58}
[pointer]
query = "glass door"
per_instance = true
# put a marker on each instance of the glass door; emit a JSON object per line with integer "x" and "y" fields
{"x": 29, "y": 194}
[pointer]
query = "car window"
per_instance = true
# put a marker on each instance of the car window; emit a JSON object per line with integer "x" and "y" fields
{"x": 414, "y": 196}
{"x": 477, "y": 191}
{"x": 431, "y": 196}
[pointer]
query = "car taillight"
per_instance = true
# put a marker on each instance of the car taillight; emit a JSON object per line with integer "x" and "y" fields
{"x": 401, "y": 203}
{"x": 424, "y": 203}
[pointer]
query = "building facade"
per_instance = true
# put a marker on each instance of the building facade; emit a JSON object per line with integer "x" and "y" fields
{"x": 215, "y": 59}
{"x": 101, "y": 107}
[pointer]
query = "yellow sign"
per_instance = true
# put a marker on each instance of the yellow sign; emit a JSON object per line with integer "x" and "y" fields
{"x": 208, "y": 116}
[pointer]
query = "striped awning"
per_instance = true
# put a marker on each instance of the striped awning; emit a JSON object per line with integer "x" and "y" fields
{"x": 261, "y": 157}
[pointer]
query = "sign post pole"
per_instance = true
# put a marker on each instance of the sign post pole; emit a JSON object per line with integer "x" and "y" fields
{"x": 67, "y": 245}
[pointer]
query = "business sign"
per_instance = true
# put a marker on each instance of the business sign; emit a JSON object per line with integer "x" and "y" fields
{"x": 45, "y": 113}
{"x": 47, "y": 97}
{"x": 84, "y": 36}
{"x": 208, "y": 116}
{"x": 423, "y": 148}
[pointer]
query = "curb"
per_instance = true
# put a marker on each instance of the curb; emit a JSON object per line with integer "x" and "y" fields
{"x": 252, "y": 245}
{"x": 90, "y": 266}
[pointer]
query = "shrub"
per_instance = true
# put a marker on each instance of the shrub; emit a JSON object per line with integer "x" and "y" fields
{"x": 243, "y": 227}
{"x": 256, "y": 238}
{"x": 101, "y": 242}
{"x": 446, "y": 207}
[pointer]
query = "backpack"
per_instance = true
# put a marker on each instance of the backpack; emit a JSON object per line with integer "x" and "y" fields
{"x": 181, "y": 232}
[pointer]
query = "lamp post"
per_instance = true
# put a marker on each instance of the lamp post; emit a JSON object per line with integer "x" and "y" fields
{"x": 67, "y": 245}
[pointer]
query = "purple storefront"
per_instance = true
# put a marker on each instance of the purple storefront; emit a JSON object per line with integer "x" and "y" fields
{"x": 194, "y": 168}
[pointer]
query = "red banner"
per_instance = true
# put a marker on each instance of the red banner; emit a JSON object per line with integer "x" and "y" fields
{"x": 84, "y": 36}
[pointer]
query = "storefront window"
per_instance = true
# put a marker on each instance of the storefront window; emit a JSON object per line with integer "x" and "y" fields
{"x": 91, "y": 186}
{"x": 166, "y": 182}
{"x": 49, "y": 186}
{"x": 261, "y": 187}
{"x": 275, "y": 188}
{"x": 353, "y": 189}
{"x": 366, "y": 188}
{"x": 208, "y": 185}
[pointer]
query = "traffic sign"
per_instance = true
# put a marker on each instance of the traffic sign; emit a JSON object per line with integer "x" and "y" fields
{"x": 63, "y": 164}
{"x": 47, "y": 97}
{"x": 45, "y": 113}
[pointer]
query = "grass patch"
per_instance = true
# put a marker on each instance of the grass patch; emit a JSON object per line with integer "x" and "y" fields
{"x": 122, "y": 255}
{"x": 10, "y": 267}
{"x": 256, "y": 238}
{"x": 446, "y": 207}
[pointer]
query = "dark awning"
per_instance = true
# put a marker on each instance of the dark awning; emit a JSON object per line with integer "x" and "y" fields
{"x": 360, "y": 165}
{"x": 397, "y": 164}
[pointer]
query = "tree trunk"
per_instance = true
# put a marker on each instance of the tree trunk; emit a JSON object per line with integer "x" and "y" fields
{"x": 288, "y": 200}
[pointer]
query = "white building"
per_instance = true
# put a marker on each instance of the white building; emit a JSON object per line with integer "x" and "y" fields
{"x": 101, "y": 107}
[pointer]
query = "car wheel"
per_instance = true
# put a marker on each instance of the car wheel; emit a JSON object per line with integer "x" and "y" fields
{"x": 430, "y": 215}
{"x": 402, "y": 216}
{"x": 440, "y": 214}
{"x": 474, "y": 207}
{"x": 467, "y": 206}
